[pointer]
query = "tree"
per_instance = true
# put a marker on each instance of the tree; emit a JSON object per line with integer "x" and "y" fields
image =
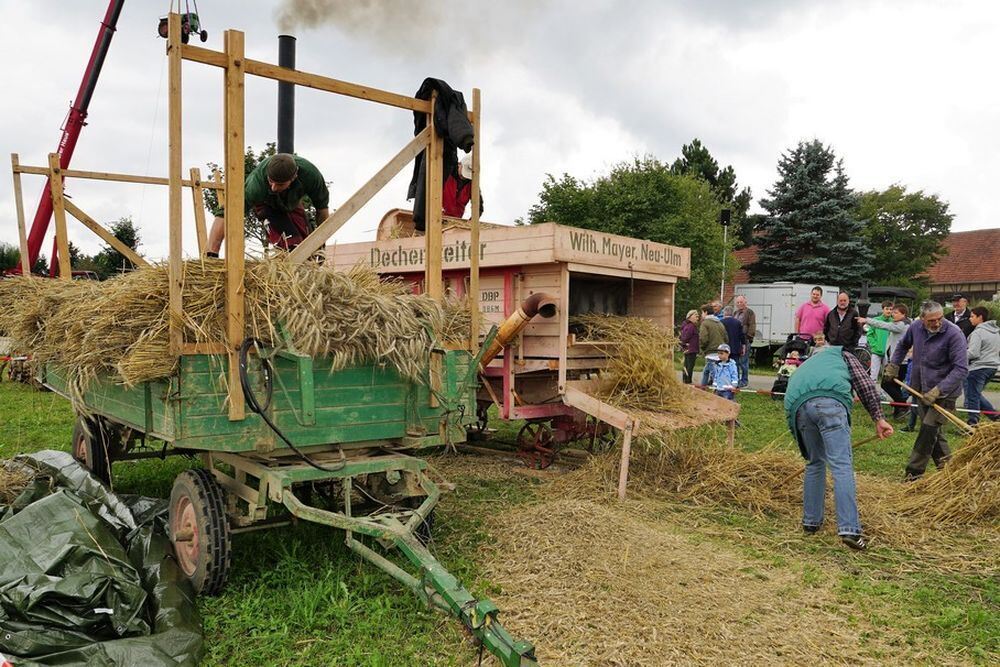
{"x": 109, "y": 262}
{"x": 643, "y": 199}
{"x": 697, "y": 161}
{"x": 10, "y": 257}
{"x": 905, "y": 233}
{"x": 811, "y": 233}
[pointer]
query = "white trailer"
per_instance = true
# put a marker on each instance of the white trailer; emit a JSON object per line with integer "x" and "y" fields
{"x": 775, "y": 305}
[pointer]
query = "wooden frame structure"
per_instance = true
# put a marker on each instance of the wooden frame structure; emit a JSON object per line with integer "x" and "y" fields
{"x": 236, "y": 68}
{"x": 61, "y": 206}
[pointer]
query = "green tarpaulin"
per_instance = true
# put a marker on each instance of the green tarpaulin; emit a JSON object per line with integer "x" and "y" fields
{"x": 88, "y": 577}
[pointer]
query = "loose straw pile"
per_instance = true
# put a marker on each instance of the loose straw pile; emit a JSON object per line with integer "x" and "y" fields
{"x": 14, "y": 478}
{"x": 640, "y": 373}
{"x": 966, "y": 491}
{"x": 120, "y": 327}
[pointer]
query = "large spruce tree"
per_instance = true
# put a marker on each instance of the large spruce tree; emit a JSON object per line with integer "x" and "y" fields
{"x": 697, "y": 161}
{"x": 810, "y": 233}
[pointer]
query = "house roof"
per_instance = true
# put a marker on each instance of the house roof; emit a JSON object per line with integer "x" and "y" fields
{"x": 973, "y": 257}
{"x": 746, "y": 257}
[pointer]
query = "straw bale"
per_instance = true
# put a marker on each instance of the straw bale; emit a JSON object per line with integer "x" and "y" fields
{"x": 121, "y": 326}
{"x": 640, "y": 372}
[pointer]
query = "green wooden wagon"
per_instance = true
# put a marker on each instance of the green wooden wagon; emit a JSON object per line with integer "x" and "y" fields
{"x": 351, "y": 464}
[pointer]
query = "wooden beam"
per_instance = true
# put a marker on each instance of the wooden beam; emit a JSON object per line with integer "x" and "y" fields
{"x": 316, "y": 81}
{"x": 105, "y": 176}
{"x": 204, "y": 348}
{"x": 19, "y": 204}
{"x": 106, "y": 235}
{"x": 433, "y": 283}
{"x": 59, "y": 213}
{"x": 235, "y": 241}
{"x": 175, "y": 266}
{"x": 329, "y": 85}
{"x": 477, "y": 118}
{"x": 220, "y": 187}
{"x": 200, "y": 54}
{"x": 329, "y": 227}
{"x": 626, "y": 456}
{"x": 198, "y": 197}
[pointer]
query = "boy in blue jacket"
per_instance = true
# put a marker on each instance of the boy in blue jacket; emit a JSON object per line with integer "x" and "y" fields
{"x": 727, "y": 374}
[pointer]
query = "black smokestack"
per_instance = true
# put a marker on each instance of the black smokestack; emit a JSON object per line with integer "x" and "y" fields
{"x": 286, "y": 96}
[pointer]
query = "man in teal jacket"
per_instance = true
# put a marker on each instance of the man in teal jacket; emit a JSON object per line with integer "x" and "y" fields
{"x": 818, "y": 405}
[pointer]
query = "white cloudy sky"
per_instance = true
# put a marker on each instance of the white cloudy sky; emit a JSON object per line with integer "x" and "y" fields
{"x": 903, "y": 90}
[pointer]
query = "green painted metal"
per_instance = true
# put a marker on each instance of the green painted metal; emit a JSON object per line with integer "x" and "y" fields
{"x": 310, "y": 404}
{"x": 437, "y": 587}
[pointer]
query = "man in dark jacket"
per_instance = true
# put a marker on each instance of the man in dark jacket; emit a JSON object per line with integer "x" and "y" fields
{"x": 734, "y": 333}
{"x": 937, "y": 371}
{"x": 961, "y": 314}
{"x": 748, "y": 319}
{"x": 841, "y": 327}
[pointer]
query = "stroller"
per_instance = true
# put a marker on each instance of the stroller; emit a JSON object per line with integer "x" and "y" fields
{"x": 796, "y": 350}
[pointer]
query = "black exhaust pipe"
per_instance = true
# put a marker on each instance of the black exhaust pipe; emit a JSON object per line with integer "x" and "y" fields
{"x": 286, "y": 96}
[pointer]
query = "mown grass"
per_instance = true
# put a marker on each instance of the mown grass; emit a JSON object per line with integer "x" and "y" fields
{"x": 297, "y": 596}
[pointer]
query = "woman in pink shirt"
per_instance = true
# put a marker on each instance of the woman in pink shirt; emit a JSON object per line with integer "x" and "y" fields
{"x": 810, "y": 316}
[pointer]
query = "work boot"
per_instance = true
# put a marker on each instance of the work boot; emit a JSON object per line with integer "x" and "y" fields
{"x": 810, "y": 530}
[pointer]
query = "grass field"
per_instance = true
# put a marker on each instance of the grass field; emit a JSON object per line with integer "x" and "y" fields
{"x": 297, "y": 597}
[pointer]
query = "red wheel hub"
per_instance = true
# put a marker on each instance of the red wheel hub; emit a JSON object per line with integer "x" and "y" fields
{"x": 184, "y": 531}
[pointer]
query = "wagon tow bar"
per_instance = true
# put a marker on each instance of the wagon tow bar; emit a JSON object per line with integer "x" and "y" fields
{"x": 436, "y": 587}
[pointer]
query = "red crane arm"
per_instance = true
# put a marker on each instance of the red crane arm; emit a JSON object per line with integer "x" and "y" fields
{"x": 71, "y": 130}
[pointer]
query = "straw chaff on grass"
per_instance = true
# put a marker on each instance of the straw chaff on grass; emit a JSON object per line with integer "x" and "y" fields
{"x": 121, "y": 326}
{"x": 598, "y": 583}
{"x": 640, "y": 373}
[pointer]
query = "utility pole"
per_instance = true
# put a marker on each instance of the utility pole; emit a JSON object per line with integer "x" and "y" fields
{"x": 724, "y": 218}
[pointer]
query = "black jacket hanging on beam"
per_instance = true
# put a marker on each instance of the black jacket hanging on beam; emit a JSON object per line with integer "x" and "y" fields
{"x": 451, "y": 121}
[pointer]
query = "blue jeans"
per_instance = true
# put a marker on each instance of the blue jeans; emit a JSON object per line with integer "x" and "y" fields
{"x": 708, "y": 373}
{"x": 826, "y": 433}
{"x": 975, "y": 381}
{"x": 743, "y": 363}
{"x": 725, "y": 393}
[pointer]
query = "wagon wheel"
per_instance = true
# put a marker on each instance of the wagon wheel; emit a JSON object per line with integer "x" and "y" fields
{"x": 199, "y": 529}
{"x": 536, "y": 444}
{"x": 90, "y": 447}
{"x": 602, "y": 435}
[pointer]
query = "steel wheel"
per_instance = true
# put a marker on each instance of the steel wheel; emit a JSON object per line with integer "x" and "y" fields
{"x": 199, "y": 529}
{"x": 90, "y": 447}
{"x": 536, "y": 444}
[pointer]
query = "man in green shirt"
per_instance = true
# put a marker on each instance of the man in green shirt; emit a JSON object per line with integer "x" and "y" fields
{"x": 274, "y": 191}
{"x": 877, "y": 339}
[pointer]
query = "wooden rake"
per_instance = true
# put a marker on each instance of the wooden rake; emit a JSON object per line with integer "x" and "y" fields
{"x": 854, "y": 445}
{"x": 950, "y": 416}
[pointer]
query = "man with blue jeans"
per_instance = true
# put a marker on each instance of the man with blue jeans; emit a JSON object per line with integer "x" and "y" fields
{"x": 984, "y": 359}
{"x": 818, "y": 405}
{"x": 937, "y": 372}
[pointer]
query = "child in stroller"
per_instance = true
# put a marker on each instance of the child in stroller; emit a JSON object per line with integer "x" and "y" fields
{"x": 796, "y": 350}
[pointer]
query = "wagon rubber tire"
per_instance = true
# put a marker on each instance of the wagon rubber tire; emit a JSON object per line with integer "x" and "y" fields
{"x": 199, "y": 530}
{"x": 90, "y": 448}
